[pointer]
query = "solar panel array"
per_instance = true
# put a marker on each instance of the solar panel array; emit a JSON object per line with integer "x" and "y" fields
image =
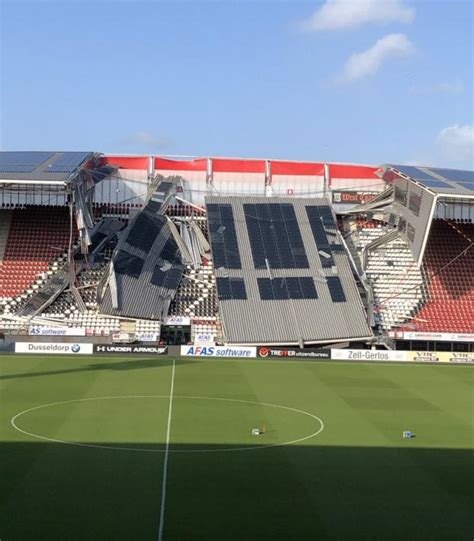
{"x": 451, "y": 179}
{"x": 128, "y": 264}
{"x": 275, "y": 236}
{"x": 225, "y": 249}
{"x": 320, "y": 218}
{"x": 144, "y": 231}
{"x": 295, "y": 282}
{"x": 231, "y": 289}
{"x": 286, "y": 288}
{"x": 454, "y": 174}
{"x": 335, "y": 289}
{"x": 67, "y": 162}
{"x": 22, "y": 162}
{"x": 166, "y": 279}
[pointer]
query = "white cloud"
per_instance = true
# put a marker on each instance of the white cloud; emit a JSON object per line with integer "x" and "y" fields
{"x": 340, "y": 14}
{"x": 368, "y": 62}
{"x": 457, "y": 143}
{"x": 454, "y": 88}
{"x": 146, "y": 139}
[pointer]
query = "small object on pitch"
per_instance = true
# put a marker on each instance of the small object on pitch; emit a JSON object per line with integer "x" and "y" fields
{"x": 407, "y": 434}
{"x": 255, "y": 431}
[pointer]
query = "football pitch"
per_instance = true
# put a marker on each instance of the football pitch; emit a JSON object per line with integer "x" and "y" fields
{"x": 159, "y": 448}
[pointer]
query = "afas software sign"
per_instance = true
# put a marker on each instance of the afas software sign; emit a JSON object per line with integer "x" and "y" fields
{"x": 218, "y": 351}
{"x": 40, "y": 330}
{"x": 53, "y": 348}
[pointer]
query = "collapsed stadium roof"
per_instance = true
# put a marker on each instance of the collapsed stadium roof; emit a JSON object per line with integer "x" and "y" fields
{"x": 283, "y": 275}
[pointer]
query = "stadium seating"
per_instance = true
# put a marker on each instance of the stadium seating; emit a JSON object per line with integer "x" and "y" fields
{"x": 38, "y": 236}
{"x": 397, "y": 283}
{"x": 450, "y": 279}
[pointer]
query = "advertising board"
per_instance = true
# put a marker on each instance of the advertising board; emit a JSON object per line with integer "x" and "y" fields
{"x": 40, "y": 330}
{"x": 293, "y": 353}
{"x": 218, "y": 351}
{"x": 441, "y": 357}
{"x": 202, "y": 339}
{"x": 368, "y": 355}
{"x": 129, "y": 349}
{"x": 433, "y": 336}
{"x": 352, "y": 198}
{"x": 147, "y": 337}
{"x": 176, "y": 320}
{"x": 53, "y": 348}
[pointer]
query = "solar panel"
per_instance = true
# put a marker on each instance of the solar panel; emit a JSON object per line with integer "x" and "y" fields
{"x": 67, "y": 162}
{"x": 169, "y": 250}
{"x": 275, "y": 236}
{"x": 17, "y": 168}
{"x": 129, "y": 264}
{"x": 168, "y": 279}
{"x": 286, "y": 288}
{"x": 23, "y": 159}
{"x": 143, "y": 232}
{"x": 317, "y": 222}
{"x": 231, "y": 289}
{"x": 225, "y": 249}
{"x": 466, "y": 185}
{"x": 435, "y": 183}
{"x": 454, "y": 174}
{"x": 335, "y": 289}
{"x": 413, "y": 172}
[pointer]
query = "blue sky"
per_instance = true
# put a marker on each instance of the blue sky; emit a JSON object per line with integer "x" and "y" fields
{"x": 365, "y": 81}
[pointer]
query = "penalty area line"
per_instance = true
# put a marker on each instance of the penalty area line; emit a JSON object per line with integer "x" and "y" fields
{"x": 165, "y": 461}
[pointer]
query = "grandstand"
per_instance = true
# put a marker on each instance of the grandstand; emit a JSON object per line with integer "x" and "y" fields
{"x": 246, "y": 252}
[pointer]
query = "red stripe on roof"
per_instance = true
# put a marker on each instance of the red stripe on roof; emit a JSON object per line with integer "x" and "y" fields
{"x": 128, "y": 162}
{"x": 199, "y": 164}
{"x": 352, "y": 171}
{"x": 297, "y": 168}
{"x": 220, "y": 165}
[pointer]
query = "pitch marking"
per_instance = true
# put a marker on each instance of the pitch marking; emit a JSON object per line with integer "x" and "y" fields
{"x": 165, "y": 462}
{"x": 13, "y": 422}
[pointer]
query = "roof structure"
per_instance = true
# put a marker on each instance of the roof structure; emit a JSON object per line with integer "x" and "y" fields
{"x": 35, "y": 167}
{"x": 282, "y": 273}
{"x": 147, "y": 264}
{"x": 442, "y": 182}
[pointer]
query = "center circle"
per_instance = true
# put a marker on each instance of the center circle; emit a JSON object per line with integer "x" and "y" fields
{"x": 199, "y": 424}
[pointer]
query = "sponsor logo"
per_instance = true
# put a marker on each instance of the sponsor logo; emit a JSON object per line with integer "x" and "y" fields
{"x": 441, "y": 356}
{"x": 368, "y": 355}
{"x": 440, "y": 336}
{"x": 53, "y": 348}
{"x": 147, "y": 337}
{"x": 176, "y": 320}
{"x": 312, "y": 353}
{"x": 214, "y": 351}
{"x": 130, "y": 349}
{"x": 39, "y": 330}
{"x": 353, "y": 198}
{"x": 424, "y": 356}
{"x": 204, "y": 339}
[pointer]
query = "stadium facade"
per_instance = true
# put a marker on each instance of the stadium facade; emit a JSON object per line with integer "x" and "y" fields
{"x": 106, "y": 248}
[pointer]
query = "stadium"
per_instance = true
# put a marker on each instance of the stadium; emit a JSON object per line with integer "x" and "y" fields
{"x": 171, "y": 329}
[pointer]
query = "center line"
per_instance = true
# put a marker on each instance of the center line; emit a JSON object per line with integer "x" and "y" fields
{"x": 165, "y": 462}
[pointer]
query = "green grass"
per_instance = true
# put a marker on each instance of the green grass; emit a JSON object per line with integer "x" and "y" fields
{"x": 356, "y": 479}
